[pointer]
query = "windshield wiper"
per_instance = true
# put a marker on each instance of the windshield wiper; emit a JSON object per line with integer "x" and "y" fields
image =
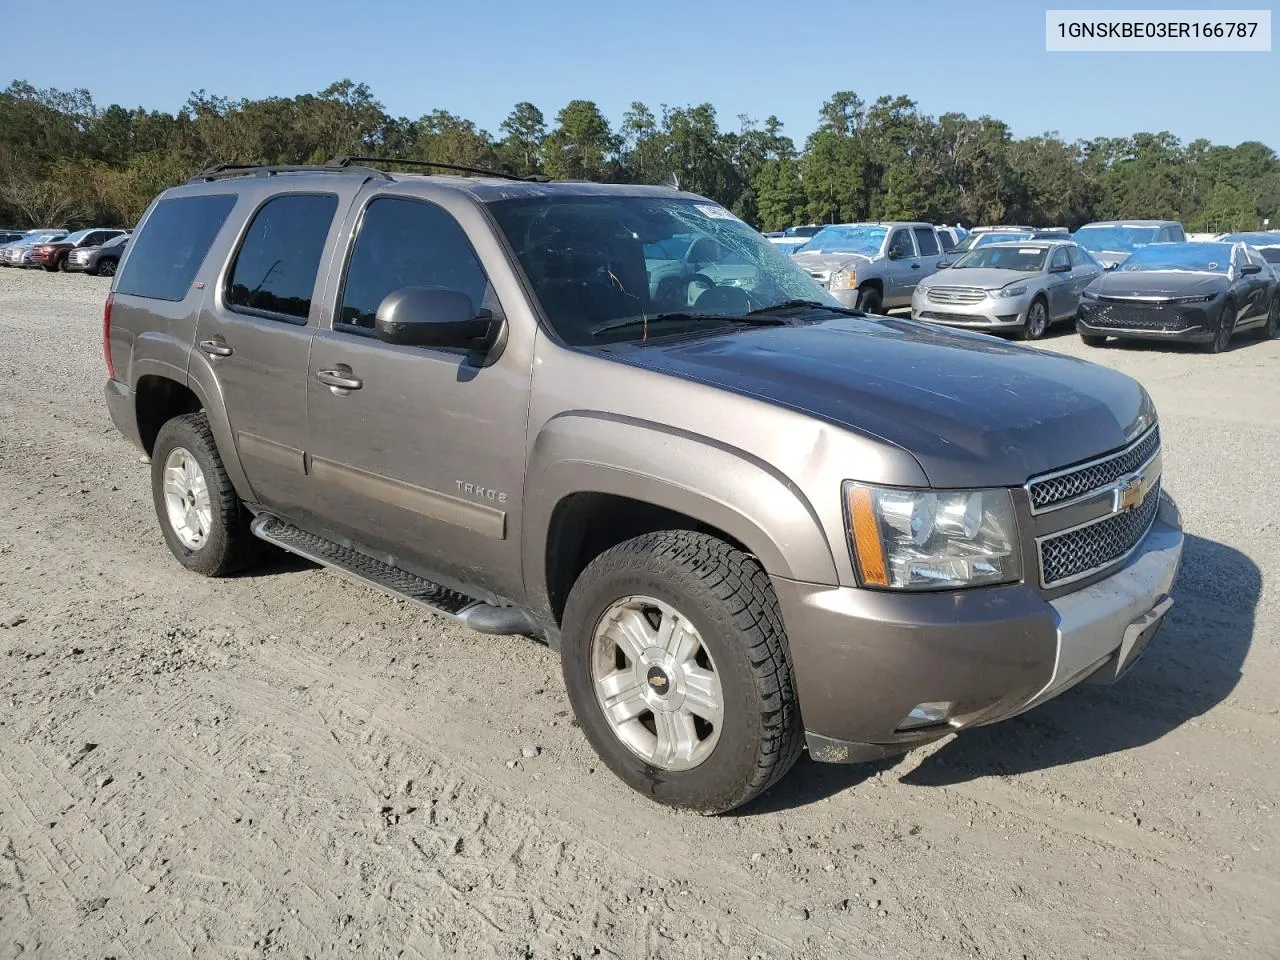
{"x": 806, "y": 305}
{"x": 758, "y": 321}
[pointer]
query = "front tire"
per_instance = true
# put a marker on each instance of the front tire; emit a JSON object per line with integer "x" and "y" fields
{"x": 869, "y": 300}
{"x": 106, "y": 267}
{"x": 201, "y": 516}
{"x": 1222, "y": 335}
{"x": 1037, "y": 322}
{"x": 677, "y": 667}
{"x": 1093, "y": 340}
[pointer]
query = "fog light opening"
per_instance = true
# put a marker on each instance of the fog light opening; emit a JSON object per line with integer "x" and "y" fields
{"x": 928, "y": 714}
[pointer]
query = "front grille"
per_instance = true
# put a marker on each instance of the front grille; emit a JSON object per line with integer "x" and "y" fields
{"x": 957, "y": 294}
{"x": 954, "y": 317}
{"x": 1077, "y": 553}
{"x": 1062, "y": 486}
{"x": 1125, "y": 316}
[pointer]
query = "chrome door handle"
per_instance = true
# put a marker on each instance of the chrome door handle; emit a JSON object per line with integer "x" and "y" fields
{"x": 341, "y": 379}
{"x": 215, "y": 348}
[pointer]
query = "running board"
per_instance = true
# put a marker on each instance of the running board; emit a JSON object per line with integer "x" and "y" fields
{"x": 440, "y": 600}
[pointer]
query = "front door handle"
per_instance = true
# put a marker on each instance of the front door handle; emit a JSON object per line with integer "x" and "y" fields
{"x": 915, "y": 266}
{"x": 339, "y": 378}
{"x": 215, "y": 348}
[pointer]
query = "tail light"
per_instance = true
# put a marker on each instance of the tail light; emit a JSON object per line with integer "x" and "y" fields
{"x": 106, "y": 334}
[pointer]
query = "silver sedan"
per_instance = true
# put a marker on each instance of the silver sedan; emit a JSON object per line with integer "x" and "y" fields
{"x": 1021, "y": 287}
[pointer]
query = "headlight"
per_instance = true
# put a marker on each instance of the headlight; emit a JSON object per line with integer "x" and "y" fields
{"x": 844, "y": 280}
{"x": 1017, "y": 291}
{"x": 931, "y": 539}
{"x": 1193, "y": 299}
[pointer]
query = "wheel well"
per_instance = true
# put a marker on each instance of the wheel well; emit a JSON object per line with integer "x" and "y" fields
{"x": 876, "y": 284}
{"x": 585, "y": 525}
{"x": 157, "y": 400}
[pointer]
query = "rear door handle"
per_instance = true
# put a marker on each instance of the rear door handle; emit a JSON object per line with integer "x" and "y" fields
{"x": 342, "y": 379}
{"x": 215, "y": 348}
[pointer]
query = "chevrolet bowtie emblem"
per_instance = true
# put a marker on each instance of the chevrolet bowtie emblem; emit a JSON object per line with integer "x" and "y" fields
{"x": 1128, "y": 494}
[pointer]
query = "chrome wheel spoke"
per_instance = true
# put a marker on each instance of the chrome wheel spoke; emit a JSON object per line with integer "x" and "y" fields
{"x": 677, "y": 637}
{"x": 702, "y": 696}
{"x": 632, "y": 633}
{"x": 677, "y": 738}
{"x": 622, "y": 696}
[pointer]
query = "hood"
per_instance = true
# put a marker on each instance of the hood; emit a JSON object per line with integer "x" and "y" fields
{"x": 989, "y": 278}
{"x": 831, "y": 261}
{"x": 1157, "y": 283}
{"x": 973, "y": 410}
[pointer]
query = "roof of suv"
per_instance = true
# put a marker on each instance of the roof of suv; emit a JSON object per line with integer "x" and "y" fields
{"x": 1133, "y": 223}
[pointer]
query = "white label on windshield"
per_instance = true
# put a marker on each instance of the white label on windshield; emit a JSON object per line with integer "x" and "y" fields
{"x": 715, "y": 211}
{"x": 1028, "y": 249}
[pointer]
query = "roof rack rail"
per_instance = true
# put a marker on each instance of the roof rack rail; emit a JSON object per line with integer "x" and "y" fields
{"x": 345, "y": 162}
{"x": 226, "y": 171}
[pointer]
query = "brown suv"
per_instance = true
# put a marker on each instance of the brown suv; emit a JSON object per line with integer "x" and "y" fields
{"x": 618, "y": 419}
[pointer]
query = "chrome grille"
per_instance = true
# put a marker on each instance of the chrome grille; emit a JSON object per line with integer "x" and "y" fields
{"x": 1065, "y": 485}
{"x": 1125, "y": 316}
{"x": 954, "y": 317}
{"x": 1075, "y": 554}
{"x": 957, "y": 294}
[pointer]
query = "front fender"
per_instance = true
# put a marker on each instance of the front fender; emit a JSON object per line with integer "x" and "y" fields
{"x": 748, "y": 499}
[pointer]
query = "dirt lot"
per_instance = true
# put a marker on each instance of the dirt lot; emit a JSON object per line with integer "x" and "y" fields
{"x": 289, "y": 765}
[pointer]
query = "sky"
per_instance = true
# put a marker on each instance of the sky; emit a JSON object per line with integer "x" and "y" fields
{"x": 753, "y": 57}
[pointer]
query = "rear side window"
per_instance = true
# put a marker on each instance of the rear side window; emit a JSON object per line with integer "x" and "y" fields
{"x": 275, "y": 269}
{"x": 167, "y": 253}
{"x": 407, "y": 243}
{"x": 926, "y": 241}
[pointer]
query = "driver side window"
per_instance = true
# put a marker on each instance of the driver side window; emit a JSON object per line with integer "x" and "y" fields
{"x": 900, "y": 245}
{"x": 1059, "y": 259}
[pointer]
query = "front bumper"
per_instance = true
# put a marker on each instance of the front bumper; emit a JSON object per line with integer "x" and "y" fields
{"x": 1183, "y": 323}
{"x": 988, "y": 314}
{"x": 864, "y": 659}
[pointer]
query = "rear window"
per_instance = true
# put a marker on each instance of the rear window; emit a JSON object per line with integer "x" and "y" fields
{"x": 275, "y": 269}
{"x": 168, "y": 251}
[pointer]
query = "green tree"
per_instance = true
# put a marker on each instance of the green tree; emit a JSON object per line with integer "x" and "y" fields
{"x": 521, "y": 148}
{"x": 582, "y": 146}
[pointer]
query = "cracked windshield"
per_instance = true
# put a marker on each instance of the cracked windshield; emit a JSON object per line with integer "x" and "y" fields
{"x": 613, "y": 269}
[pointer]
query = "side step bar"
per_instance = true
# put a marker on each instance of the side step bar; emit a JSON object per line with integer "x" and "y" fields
{"x": 440, "y": 600}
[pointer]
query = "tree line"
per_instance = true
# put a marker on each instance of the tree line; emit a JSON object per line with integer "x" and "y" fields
{"x": 66, "y": 161}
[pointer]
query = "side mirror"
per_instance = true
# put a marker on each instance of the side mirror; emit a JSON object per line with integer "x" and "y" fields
{"x": 432, "y": 317}
{"x": 1110, "y": 266}
{"x": 896, "y": 253}
{"x": 1249, "y": 269}
{"x": 944, "y": 264}
{"x": 1060, "y": 268}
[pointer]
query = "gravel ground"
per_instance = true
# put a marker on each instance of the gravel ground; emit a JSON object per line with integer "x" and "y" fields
{"x": 287, "y": 764}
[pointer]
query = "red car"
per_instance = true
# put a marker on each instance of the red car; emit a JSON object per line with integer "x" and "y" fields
{"x": 53, "y": 255}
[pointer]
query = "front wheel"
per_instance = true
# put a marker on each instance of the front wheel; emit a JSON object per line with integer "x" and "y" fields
{"x": 1093, "y": 340}
{"x": 202, "y": 519}
{"x": 1222, "y": 335}
{"x": 106, "y": 267}
{"x": 869, "y": 300}
{"x": 676, "y": 664}
{"x": 1037, "y": 322}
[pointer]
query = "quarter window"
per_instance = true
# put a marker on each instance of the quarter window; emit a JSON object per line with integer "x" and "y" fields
{"x": 408, "y": 243}
{"x": 275, "y": 270}
{"x": 173, "y": 242}
{"x": 927, "y": 241}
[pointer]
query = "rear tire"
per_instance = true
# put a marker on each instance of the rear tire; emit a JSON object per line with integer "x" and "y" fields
{"x": 723, "y": 606}
{"x": 1093, "y": 340}
{"x": 1269, "y": 330}
{"x": 215, "y": 539}
{"x": 869, "y": 300}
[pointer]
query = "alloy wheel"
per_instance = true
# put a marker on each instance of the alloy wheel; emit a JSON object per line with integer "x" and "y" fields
{"x": 186, "y": 498}
{"x": 656, "y": 684}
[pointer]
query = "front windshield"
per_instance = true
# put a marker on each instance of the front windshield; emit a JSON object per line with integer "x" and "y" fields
{"x": 1196, "y": 257}
{"x": 865, "y": 239}
{"x": 1114, "y": 239}
{"x": 1025, "y": 259}
{"x": 606, "y": 268}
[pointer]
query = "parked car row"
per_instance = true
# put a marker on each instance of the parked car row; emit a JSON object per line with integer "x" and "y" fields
{"x": 96, "y": 250}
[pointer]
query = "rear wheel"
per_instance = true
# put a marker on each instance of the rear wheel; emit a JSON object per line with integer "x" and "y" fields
{"x": 1269, "y": 330}
{"x": 676, "y": 664}
{"x": 1222, "y": 334}
{"x": 202, "y": 519}
{"x": 869, "y": 300}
